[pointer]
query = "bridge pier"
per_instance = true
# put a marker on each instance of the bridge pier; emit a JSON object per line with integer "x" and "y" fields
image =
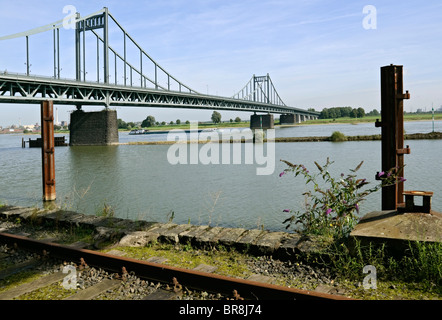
{"x": 93, "y": 128}
{"x": 287, "y": 119}
{"x": 262, "y": 121}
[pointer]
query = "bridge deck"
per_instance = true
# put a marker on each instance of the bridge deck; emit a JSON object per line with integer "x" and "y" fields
{"x": 16, "y": 88}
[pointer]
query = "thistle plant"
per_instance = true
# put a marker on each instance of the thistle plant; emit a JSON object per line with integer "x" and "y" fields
{"x": 332, "y": 206}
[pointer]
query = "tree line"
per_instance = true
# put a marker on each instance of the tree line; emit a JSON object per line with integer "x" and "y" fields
{"x": 345, "y": 112}
{"x": 150, "y": 121}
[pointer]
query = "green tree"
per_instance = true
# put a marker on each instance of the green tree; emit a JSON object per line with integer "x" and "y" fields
{"x": 131, "y": 125}
{"x": 361, "y": 112}
{"x": 354, "y": 113}
{"x": 324, "y": 114}
{"x": 122, "y": 124}
{"x": 178, "y": 121}
{"x": 148, "y": 122}
{"x": 216, "y": 117}
{"x": 238, "y": 119}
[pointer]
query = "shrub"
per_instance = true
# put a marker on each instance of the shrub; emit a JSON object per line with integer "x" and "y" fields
{"x": 338, "y": 137}
{"x": 331, "y": 207}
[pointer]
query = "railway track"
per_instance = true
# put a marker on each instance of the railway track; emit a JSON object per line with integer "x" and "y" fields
{"x": 73, "y": 268}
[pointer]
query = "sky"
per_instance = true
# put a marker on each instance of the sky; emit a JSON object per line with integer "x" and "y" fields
{"x": 319, "y": 54}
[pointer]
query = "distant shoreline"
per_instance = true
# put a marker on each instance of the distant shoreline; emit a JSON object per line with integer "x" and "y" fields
{"x": 338, "y": 121}
{"x": 375, "y": 137}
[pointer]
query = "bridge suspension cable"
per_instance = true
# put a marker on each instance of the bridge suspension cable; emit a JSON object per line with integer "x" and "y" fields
{"x": 99, "y": 20}
{"x": 156, "y": 86}
{"x": 260, "y": 89}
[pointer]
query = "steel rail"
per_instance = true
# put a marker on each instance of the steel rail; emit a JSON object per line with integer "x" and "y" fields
{"x": 193, "y": 279}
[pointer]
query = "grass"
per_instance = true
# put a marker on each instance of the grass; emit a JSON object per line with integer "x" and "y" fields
{"x": 415, "y": 275}
{"x": 229, "y": 262}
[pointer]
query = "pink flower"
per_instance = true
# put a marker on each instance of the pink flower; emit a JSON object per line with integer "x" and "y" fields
{"x": 282, "y": 173}
{"x": 286, "y": 210}
{"x": 329, "y": 210}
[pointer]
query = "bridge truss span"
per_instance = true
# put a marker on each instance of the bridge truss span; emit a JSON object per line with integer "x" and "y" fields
{"x": 24, "y": 89}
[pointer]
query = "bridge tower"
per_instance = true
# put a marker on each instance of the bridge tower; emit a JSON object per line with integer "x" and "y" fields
{"x": 92, "y": 128}
{"x": 262, "y": 87}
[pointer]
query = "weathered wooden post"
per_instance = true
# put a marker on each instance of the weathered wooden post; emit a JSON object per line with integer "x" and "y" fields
{"x": 392, "y": 124}
{"x": 47, "y": 150}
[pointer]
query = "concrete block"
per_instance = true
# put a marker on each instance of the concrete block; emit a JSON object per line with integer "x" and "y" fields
{"x": 248, "y": 239}
{"x": 210, "y": 236}
{"x": 269, "y": 242}
{"x": 190, "y": 234}
{"x": 231, "y": 236}
{"x": 288, "y": 247}
{"x": 172, "y": 234}
{"x": 138, "y": 239}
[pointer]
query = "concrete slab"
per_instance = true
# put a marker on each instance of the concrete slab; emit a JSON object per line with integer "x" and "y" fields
{"x": 400, "y": 226}
{"x": 249, "y": 238}
{"x": 205, "y": 268}
{"x": 172, "y": 234}
{"x": 210, "y": 236}
{"x": 288, "y": 247}
{"x": 231, "y": 235}
{"x": 138, "y": 238}
{"x": 268, "y": 243}
{"x": 261, "y": 278}
{"x": 11, "y": 211}
{"x": 190, "y": 234}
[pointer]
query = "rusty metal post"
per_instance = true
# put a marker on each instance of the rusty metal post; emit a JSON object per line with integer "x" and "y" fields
{"x": 392, "y": 124}
{"x": 47, "y": 150}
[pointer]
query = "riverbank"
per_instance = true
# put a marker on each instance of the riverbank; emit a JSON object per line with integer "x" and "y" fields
{"x": 287, "y": 259}
{"x": 414, "y": 136}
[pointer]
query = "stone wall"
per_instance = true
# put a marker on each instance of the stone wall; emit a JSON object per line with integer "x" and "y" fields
{"x": 93, "y": 128}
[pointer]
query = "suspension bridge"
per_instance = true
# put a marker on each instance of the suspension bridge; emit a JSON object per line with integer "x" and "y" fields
{"x": 144, "y": 82}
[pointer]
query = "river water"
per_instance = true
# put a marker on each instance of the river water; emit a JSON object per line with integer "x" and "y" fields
{"x": 139, "y": 181}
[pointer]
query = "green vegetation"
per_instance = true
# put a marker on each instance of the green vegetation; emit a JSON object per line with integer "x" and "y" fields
{"x": 337, "y": 112}
{"x": 338, "y": 137}
{"x": 332, "y": 204}
{"x": 329, "y": 217}
{"x": 415, "y": 275}
{"x": 228, "y": 261}
{"x": 216, "y": 117}
{"x": 148, "y": 122}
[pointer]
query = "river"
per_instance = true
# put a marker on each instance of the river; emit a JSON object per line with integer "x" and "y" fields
{"x": 139, "y": 182}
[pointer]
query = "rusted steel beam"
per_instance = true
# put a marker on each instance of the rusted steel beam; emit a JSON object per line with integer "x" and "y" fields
{"x": 47, "y": 150}
{"x": 392, "y": 124}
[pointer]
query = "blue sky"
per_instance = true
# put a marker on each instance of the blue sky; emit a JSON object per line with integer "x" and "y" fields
{"x": 318, "y": 53}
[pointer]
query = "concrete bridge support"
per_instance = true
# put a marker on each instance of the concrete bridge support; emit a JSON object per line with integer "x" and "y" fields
{"x": 262, "y": 121}
{"x": 93, "y": 128}
{"x": 287, "y": 119}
